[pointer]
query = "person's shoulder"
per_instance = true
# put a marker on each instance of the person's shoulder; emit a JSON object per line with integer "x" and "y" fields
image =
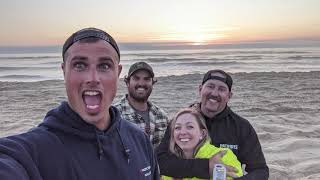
{"x": 121, "y": 102}
{"x": 239, "y": 119}
{"x": 131, "y": 128}
{"x": 134, "y": 135}
{"x": 243, "y": 124}
{"x": 36, "y": 136}
{"x": 37, "y": 142}
{"x": 157, "y": 108}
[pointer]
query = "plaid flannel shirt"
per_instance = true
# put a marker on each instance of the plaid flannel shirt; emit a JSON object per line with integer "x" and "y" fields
{"x": 158, "y": 119}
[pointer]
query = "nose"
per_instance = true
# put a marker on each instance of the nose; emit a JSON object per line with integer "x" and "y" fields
{"x": 93, "y": 77}
{"x": 140, "y": 82}
{"x": 214, "y": 92}
{"x": 183, "y": 131}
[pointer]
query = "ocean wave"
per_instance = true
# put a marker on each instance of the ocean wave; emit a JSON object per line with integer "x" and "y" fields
{"x": 303, "y": 57}
{"x": 25, "y": 68}
{"x": 211, "y": 63}
{"x": 214, "y": 52}
{"x": 21, "y": 77}
{"x": 29, "y": 57}
{"x": 186, "y": 60}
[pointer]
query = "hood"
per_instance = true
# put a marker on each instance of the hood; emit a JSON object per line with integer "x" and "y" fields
{"x": 63, "y": 119}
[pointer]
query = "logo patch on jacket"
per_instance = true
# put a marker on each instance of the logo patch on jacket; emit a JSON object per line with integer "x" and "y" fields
{"x": 230, "y": 146}
{"x": 146, "y": 171}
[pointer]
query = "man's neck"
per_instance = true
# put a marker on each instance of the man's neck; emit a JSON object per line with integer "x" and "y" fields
{"x": 104, "y": 124}
{"x": 140, "y": 106}
{"x": 209, "y": 114}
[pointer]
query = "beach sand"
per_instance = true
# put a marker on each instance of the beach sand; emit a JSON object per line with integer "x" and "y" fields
{"x": 284, "y": 108}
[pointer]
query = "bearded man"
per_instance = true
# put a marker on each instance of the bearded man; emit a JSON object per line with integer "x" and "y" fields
{"x": 135, "y": 106}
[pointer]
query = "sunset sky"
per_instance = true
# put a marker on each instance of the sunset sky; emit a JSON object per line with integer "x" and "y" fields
{"x": 50, "y": 22}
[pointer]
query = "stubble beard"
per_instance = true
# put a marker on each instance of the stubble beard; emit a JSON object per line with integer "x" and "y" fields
{"x": 141, "y": 99}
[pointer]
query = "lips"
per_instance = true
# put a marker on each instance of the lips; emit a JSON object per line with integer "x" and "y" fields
{"x": 214, "y": 99}
{"x": 185, "y": 139}
{"x": 92, "y": 99}
{"x": 140, "y": 89}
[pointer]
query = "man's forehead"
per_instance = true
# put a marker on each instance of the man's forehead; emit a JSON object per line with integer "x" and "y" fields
{"x": 142, "y": 72}
{"x": 216, "y": 82}
{"x": 80, "y": 48}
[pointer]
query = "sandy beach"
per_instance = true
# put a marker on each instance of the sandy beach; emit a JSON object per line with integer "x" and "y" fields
{"x": 283, "y": 107}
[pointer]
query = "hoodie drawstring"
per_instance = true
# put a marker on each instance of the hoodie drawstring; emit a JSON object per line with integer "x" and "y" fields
{"x": 126, "y": 149}
{"x": 100, "y": 149}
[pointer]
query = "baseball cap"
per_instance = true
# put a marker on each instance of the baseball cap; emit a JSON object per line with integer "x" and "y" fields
{"x": 227, "y": 78}
{"x": 140, "y": 66}
{"x": 89, "y": 32}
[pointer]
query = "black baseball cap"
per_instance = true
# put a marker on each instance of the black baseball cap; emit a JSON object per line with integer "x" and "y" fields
{"x": 227, "y": 78}
{"x": 140, "y": 66}
{"x": 89, "y": 32}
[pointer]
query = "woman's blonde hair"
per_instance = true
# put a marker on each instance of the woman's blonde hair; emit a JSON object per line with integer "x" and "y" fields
{"x": 173, "y": 147}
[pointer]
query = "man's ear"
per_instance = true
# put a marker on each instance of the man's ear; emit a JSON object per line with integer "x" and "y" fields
{"x": 120, "y": 69}
{"x": 230, "y": 95}
{"x": 154, "y": 80}
{"x": 200, "y": 88}
{"x": 126, "y": 80}
{"x": 63, "y": 67}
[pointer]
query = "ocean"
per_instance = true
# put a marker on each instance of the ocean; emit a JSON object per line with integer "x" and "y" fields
{"x": 44, "y": 63}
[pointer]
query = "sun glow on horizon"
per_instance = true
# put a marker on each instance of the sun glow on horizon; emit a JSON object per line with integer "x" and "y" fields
{"x": 193, "y": 34}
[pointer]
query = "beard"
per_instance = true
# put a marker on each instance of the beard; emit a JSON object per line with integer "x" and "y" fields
{"x": 140, "y": 97}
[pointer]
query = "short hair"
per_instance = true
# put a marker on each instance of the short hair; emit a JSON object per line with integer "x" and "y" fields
{"x": 86, "y": 40}
{"x": 89, "y": 33}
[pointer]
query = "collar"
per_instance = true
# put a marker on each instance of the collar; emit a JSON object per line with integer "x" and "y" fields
{"x": 219, "y": 116}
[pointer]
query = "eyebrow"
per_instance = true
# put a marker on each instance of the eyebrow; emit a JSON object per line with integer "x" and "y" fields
{"x": 190, "y": 123}
{"x": 212, "y": 83}
{"x": 79, "y": 58}
{"x": 186, "y": 123}
{"x": 103, "y": 59}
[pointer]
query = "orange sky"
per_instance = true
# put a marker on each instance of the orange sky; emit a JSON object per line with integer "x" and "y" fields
{"x": 44, "y": 22}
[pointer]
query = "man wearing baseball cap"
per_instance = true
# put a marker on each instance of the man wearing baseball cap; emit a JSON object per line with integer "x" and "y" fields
{"x": 136, "y": 107}
{"x": 226, "y": 129}
{"x": 84, "y": 137}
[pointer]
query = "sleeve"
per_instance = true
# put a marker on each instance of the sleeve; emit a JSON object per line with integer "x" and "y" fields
{"x": 15, "y": 161}
{"x": 11, "y": 169}
{"x": 251, "y": 154}
{"x": 154, "y": 162}
{"x": 231, "y": 159}
{"x": 171, "y": 165}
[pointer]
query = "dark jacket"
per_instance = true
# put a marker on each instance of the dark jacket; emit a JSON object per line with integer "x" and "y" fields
{"x": 228, "y": 130}
{"x": 66, "y": 147}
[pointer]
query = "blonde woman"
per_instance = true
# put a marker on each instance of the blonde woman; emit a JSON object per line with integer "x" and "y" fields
{"x": 189, "y": 139}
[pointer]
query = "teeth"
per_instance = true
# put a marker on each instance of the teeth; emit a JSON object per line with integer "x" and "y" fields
{"x": 91, "y": 93}
{"x": 213, "y": 100}
{"x": 184, "y": 140}
{"x": 140, "y": 89}
{"x": 92, "y": 106}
